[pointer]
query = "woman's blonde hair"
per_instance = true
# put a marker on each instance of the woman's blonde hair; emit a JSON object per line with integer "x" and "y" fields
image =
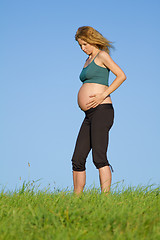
{"x": 93, "y": 37}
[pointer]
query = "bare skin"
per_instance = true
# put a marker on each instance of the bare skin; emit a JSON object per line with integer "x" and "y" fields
{"x": 99, "y": 97}
{"x": 105, "y": 177}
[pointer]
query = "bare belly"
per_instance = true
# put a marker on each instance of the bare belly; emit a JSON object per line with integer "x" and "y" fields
{"x": 88, "y": 89}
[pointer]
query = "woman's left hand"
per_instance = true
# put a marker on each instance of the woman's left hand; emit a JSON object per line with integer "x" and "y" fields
{"x": 96, "y": 100}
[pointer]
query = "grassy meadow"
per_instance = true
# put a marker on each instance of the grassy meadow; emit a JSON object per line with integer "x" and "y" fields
{"x": 129, "y": 213}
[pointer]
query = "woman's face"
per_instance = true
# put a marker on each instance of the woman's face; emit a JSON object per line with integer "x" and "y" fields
{"x": 86, "y": 47}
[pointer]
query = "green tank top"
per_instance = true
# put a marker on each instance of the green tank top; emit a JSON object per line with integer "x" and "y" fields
{"x": 95, "y": 74}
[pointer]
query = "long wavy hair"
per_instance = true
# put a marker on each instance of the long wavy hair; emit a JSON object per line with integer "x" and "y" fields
{"x": 93, "y": 37}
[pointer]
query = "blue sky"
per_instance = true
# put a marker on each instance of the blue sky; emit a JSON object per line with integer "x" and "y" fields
{"x": 40, "y": 63}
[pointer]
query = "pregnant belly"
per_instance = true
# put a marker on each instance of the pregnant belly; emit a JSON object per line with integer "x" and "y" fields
{"x": 88, "y": 89}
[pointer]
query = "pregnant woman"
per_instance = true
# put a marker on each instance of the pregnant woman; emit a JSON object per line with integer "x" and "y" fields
{"x": 94, "y": 99}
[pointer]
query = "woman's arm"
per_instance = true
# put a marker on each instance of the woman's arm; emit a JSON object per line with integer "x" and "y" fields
{"x": 120, "y": 75}
{"x": 96, "y": 99}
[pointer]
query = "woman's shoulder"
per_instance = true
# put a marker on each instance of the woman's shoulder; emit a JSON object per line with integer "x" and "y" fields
{"x": 104, "y": 57}
{"x": 103, "y": 54}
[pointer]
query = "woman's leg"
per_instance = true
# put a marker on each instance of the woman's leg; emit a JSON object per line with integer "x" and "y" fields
{"x": 82, "y": 148}
{"x": 101, "y": 123}
{"x": 79, "y": 180}
{"x": 105, "y": 178}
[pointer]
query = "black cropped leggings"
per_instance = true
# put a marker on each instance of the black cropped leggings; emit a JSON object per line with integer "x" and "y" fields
{"x": 94, "y": 134}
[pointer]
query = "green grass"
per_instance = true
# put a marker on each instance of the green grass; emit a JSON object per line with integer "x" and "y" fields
{"x": 129, "y": 213}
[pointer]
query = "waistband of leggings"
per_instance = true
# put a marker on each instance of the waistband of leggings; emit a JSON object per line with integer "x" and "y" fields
{"x": 103, "y": 105}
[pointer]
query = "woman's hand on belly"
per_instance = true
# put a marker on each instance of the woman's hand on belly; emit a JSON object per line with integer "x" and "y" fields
{"x": 96, "y": 99}
{"x": 91, "y": 89}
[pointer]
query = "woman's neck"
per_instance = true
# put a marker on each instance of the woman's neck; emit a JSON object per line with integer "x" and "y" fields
{"x": 94, "y": 53}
